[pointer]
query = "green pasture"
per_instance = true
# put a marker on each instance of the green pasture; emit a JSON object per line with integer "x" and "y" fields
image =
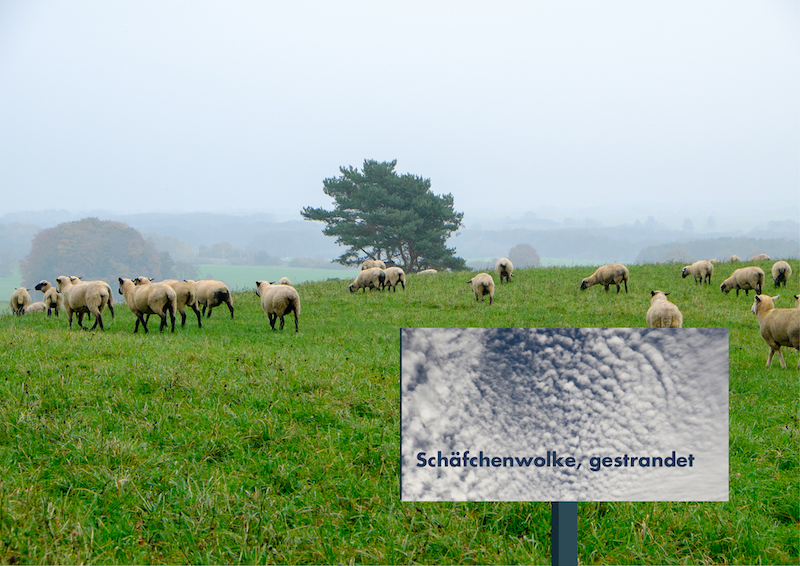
{"x": 238, "y": 444}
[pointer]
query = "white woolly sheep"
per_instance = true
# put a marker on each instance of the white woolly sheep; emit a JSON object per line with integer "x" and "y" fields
{"x": 186, "y": 296}
{"x": 75, "y": 279}
{"x": 759, "y": 257}
{"x": 734, "y": 258}
{"x": 427, "y": 272}
{"x": 702, "y": 271}
{"x": 744, "y": 278}
{"x": 372, "y": 278}
{"x": 38, "y": 306}
{"x": 284, "y": 281}
{"x": 52, "y": 298}
{"x": 277, "y": 301}
{"x": 393, "y": 276}
{"x": 212, "y": 293}
{"x": 607, "y": 275}
{"x": 153, "y": 298}
{"x": 781, "y": 271}
{"x": 662, "y": 313}
{"x": 482, "y": 284}
{"x": 370, "y": 263}
{"x": 20, "y": 299}
{"x": 505, "y": 269}
{"x": 83, "y": 298}
{"x": 779, "y": 327}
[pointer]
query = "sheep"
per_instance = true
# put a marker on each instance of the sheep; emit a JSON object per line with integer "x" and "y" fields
{"x": 504, "y": 268}
{"x": 482, "y": 284}
{"x": 370, "y": 263}
{"x": 734, "y": 258}
{"x": 212, "y": 293}
{"x": 284, "y": 281}
{"x": 781, "y": 271}
{"x": 38, "y": 306}
{"x": 154, "y": 298}
{"x": 662, "y": 313}
{"x": 427, "y": 272}
{"x": 759, "y": 257}
{"x": 278, "y": 301}
{"x": 607, "y": 275}
{"x": 393, "y": 276}
{"x": 372, "y": 278}
{"x": 744, "y": 278}
{"x": 83, "y": 298}
{"x": 779, "y": 327}
{"x": 702, "y": 271}
{"x": 20, "y": 299}
{"x": 185, "y": 293}
{"x": 75, "y": 279}
{"x": 52, "y": 298}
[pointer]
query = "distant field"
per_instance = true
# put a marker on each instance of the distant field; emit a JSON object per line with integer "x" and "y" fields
{"x": 238, "y": 444}
{"x": 244, "y": 277}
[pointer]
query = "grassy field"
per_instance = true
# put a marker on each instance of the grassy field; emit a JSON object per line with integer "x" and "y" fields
{"x": 238, "y": 444}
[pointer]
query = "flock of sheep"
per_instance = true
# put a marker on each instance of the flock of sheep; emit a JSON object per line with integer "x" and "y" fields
{"x": 779, "y": 327}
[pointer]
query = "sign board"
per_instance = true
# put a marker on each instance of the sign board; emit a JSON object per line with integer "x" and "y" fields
{"x": 564, "y": 414}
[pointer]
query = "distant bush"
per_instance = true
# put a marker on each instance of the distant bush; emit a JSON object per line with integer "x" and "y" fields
{"x": 524, "y": 255}
{"x": 92, "y": 249}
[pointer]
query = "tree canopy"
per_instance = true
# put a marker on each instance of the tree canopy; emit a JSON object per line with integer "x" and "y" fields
{"x": 91, "y": 249}
{"x": 379, "y": 214}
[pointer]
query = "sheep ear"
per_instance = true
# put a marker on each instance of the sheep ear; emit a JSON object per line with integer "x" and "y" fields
{"x": 776, "y": 297}
{"x": 652, "y": 293}
{"x": 667, "y": 294}
{"x": 758, "y": 298}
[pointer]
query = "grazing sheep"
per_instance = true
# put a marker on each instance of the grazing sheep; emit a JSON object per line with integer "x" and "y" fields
{"x": 734, "y": 258}
{"x": 744, "y": 278}
{"x": 662, "y": 313}
{"x": 284, "y": 281}
{"x": 38, "y": 306}
{"x": 372, "y": 278}
{"x": 185, "y": 293}
{"x": 212, "y": 293}
{"x": 781, "y": 271}
{"x": 83, "y": 298}
{"x": 779, "y": 327}
{"x": 153, "y": 298}
{"x": 607, "y": 275}
{"x": 393, "y": 276}
{"x": 52, "y": 298}
{"x": 482, "y": 284}
{"x": 701, "y": 271}
{"x": 20, "y": 299}
{"x": 110, "y": 291}
{"x": 370, "y": 263}
{"x": 504, "y": 268}
{"x": 278, "y": 301}
{"x": 427, "y": 272}
{"x": 759, "y": 257}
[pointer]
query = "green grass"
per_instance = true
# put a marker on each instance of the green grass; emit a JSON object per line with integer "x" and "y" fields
{"x": 238, "y": 444}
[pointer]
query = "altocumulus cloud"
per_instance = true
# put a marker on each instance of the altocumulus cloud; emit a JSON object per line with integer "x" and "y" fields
{"x": 643, "y": 413}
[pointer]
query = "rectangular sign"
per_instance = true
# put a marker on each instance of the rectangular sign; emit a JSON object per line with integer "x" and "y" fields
{"x": 564, "y": 414}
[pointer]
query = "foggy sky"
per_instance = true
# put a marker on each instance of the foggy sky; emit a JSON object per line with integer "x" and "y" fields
{"x": 247, "y": 106}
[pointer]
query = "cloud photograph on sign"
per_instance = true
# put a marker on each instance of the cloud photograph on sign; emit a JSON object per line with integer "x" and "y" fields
{"x": 583, "y": 414}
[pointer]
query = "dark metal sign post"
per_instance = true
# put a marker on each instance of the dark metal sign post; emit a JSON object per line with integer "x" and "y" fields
{"x": 564, "y": 533}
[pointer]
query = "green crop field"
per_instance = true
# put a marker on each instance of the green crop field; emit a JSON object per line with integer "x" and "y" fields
{"x": 238, "y": 444}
